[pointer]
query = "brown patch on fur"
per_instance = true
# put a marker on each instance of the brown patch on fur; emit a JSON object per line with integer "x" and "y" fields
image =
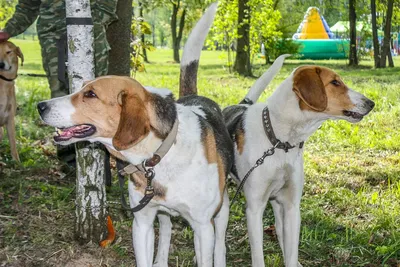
{"x": 209, "y": 146}
{"x": 134, "y": 123}
{"x": 240, "y": 140}
{"x": 310, "y": 89}
{"x": 315, "y": 83}
{"x": 75, "y": 100}
{"x": 222, "y": 182}
{"x": 140, "y": 182}
{"x": 212, "y": 156}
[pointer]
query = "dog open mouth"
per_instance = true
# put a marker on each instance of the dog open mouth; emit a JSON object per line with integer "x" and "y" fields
{"x": 352, "y": 114}
{"x": 78, "y": 131}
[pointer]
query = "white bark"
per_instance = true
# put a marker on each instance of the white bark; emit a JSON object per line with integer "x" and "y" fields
{"x": 90, "y": 193}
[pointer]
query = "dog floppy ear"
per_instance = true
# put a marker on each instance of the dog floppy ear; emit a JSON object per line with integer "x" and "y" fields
{"x": 134, "y": 122}
{"x": 308, "y": 86}
{"x": 20, "y": 55}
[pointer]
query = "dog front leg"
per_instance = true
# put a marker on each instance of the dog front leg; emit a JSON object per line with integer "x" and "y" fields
{"x": 278, "y": 214}
{"x": 254, "y": 213}
{"x": 143, "y": 237}
{"x": 289, "y": 199}
{"x": 204, "y": 242}
{"x": 164, "y": 240}
{"x": 142, "y": 230}
{"x": 11, "y": 137}
{"x": 291, "y": 232}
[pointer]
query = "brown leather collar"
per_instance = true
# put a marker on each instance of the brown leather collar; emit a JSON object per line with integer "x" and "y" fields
{"x": 158, "y": 155}
{"x": 271, "y": 135}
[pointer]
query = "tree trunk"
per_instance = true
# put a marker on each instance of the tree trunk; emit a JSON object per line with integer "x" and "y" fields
{"x": 119, "y": 37}
{"x": 353, "y": 60}
{"x": 375, "y": 34}
{"x": 386, "y": 39}
{"x": 119, "y": 58}
{"x": 90, "y": 222}
{"x": 242, "y": 61}
{"x": 142, "y": 37}
{"x": 177, "y": 37}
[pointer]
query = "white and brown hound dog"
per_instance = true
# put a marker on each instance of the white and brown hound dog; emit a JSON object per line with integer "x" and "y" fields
{"x": 296, "y": 109}
{"x": 132, "y": 122}
{"x": 9, "y": 54}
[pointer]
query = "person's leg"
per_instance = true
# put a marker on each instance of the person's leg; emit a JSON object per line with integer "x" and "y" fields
{"x": 101, "y": 51}
{"x": 50, "y": 64}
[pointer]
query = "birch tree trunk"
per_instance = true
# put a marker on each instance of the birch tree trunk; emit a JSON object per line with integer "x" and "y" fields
{"x": 90, "y": 223}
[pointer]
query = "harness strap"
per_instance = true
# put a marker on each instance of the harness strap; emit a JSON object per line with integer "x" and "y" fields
{"x": 147, "y": 167}
{"x": 7, "y": 79}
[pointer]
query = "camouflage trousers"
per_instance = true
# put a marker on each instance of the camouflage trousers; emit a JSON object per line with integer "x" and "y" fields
{"x": 50, "y": 59}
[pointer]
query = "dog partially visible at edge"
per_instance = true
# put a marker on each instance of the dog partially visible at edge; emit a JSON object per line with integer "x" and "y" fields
{"x": 295, "y": 110}
{"x": 9, "y": 54}
{"x": 133, "y": 122}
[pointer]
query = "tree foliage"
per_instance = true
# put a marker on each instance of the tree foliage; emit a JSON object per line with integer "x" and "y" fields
{"x": 264, "y": 21}
{"x": 7, "y": 8}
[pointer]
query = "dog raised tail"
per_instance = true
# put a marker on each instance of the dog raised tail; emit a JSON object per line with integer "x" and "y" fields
{"x": 192, "y": 50}
{"x": 262, "y": 82}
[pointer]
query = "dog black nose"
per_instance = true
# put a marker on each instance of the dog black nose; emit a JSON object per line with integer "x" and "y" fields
{"x": 2, "y": 65}
{"x": 42, "y": 108}
{"x": 370, "y": 103}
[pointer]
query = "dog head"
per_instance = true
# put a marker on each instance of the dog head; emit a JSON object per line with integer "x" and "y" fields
{"x": 322, "y": 90}
{"x": 110, "y": 109}
{"x": 9, "y": 54}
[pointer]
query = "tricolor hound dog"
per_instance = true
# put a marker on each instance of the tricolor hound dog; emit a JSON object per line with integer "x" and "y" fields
{"x": 9, "y": 54}
{"x": 296, "y": 109}
{"x": 132, "y": 122}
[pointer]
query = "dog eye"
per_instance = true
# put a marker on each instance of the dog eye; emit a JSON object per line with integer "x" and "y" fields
{"x": 335, "y": 83}
{"x": 89, "y": 94}
{"x": 8, "y": 52}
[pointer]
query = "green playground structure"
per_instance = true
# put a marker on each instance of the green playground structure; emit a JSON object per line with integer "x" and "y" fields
{"x": 317, "y": 40}
{"x": 323, "y": 48}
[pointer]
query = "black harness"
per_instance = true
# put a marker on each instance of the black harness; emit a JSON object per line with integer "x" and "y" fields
{"x": 276, "y": 144}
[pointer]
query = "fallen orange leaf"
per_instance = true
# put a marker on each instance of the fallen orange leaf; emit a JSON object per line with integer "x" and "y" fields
{"x": 111, "y": 234}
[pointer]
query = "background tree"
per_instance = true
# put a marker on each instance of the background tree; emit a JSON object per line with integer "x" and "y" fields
{"x": 176, "y": 33}
{"x": 353, "y": 59}
{"x": 142, "y": 34}
{"x": 90, "y": 190}
{"x": 375, "y": 39}
{"x": 386, "y": 50}
{"x": 119, "y": 37}
{"x": 242, "y": 61}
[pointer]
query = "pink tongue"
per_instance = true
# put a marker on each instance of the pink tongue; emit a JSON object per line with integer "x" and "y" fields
{"x": 67, "y": 133}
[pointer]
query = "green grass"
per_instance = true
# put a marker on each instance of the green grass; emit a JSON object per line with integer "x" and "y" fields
{"x": 351, "y": 203}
